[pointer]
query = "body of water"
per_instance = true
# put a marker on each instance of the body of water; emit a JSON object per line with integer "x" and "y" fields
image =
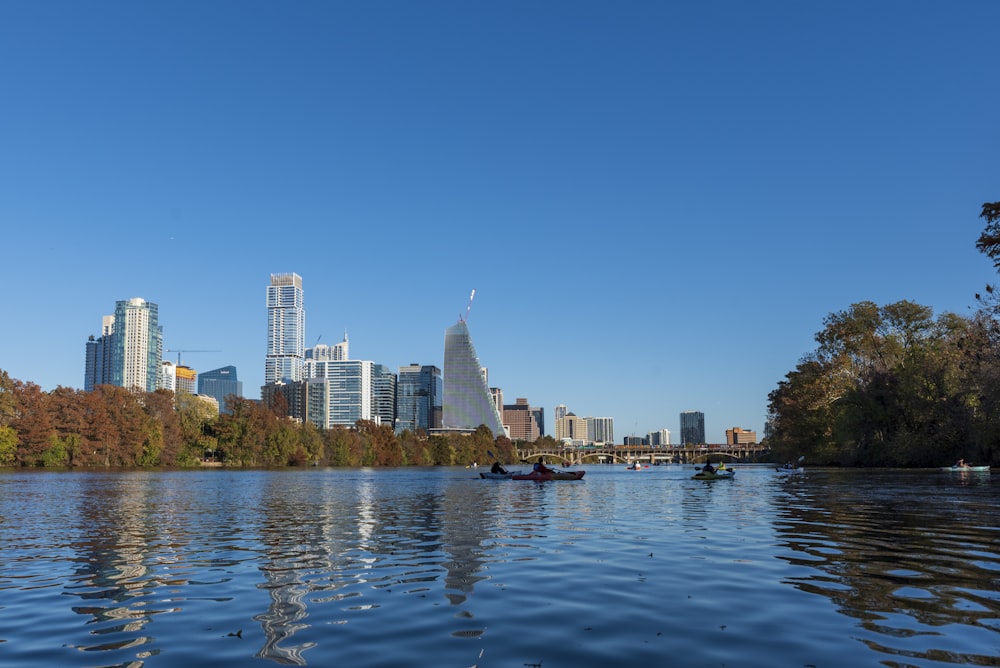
{"x": 435, "y": 567}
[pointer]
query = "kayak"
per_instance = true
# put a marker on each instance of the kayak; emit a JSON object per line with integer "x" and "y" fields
{"x": 719, "y": 474}
{"x": 555, "y": 475}
{"x": 490, "y": 475}
{"x": 789, "y": 469}
{"x": 963, "y": 469}
{"x": 634, "y": 467}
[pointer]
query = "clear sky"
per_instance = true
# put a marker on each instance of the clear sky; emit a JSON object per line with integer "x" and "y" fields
{"x": 656, "y": 202}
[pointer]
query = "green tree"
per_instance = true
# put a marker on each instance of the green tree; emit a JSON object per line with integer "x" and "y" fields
{"x": 8, "y": 446}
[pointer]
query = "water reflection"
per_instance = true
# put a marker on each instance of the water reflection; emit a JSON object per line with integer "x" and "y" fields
{"x": 376, "y": 568}
{"x": 900, "y": 556}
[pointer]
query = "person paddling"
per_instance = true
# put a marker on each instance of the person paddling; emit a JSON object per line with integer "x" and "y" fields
{"x": 540, "y": 468}
{"x": 497, "y": 468}
{"x": 708, "y": 468}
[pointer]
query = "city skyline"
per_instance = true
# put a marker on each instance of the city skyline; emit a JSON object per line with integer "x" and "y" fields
{"x": 658, "y": 204}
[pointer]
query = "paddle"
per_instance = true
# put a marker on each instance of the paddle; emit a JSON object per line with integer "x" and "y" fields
{"x": 554, "y": 470}
{"x": 494, "y": 457}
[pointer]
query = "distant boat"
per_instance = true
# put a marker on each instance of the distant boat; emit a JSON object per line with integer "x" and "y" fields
{"x": 634, "y": 466}
{"x": 965, "y": 469}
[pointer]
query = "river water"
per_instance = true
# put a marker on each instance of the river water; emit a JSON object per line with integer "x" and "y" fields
{"x": 436, "y": 567}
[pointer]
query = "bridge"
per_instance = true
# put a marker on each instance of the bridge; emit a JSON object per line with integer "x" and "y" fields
{"x": 667, "y": 454}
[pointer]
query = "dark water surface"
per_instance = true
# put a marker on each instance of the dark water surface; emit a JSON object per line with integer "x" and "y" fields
{"x": 435, "y": 567}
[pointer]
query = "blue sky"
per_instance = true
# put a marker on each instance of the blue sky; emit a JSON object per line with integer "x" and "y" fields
{"x": 657, "y": 203}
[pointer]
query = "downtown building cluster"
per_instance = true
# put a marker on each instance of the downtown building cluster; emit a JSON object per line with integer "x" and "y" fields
{"x": 129, "y": 353}
{"x": 324, "y": 386}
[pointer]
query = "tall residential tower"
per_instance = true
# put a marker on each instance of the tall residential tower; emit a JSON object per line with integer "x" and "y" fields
{"x": 286, "y": 329}
{"x": 137, "y": 345}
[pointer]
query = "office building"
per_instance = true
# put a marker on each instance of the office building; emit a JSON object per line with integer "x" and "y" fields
{"x": 418, "y": 397}
{"x": 137, "y": 345}
{"x": 738, "y": 436}
{"x": 99, "y": 363}
{"x": 383, "y": 394}
{"x": 572, "y": 430}
{"x": 521, "y": 421}
{"x": 286, "y": 329}
{"x": 220, "y": 383}
{"x": 467, "y": 399}
{"x": 692, "y": 428}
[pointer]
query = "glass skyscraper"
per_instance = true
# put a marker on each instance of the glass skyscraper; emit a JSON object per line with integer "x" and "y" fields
{"x": 220, "y": 383}
{"x": 286, "y": 329}
{"x": 418, "y": 394}
{"x": 137, "y": 345}
{"x": 100, "y": 365}
{"x": 692, "y": 428}
{"x": 467, "y": 400}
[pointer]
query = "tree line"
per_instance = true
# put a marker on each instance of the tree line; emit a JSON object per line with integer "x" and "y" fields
{"x": 893, "y": 385}
{"x": 115, "y": 427}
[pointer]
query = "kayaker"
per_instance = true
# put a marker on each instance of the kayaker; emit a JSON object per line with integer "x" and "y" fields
{"x": 497, "y": 468}
{"x": 708, "y": 468}
{"x": 960, "y": 464}
{"x": 540, "y": 467}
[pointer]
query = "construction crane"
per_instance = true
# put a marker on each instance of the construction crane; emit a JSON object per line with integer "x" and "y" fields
{"x": 467, "y": 308}
{"x": 188, "y": 350}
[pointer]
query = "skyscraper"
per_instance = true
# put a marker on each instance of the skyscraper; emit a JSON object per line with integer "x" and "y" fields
{"x": 467, "y": 400}
{"x": 220, "y": 383}
{"x": 383, "y": 394}
{"x": 418, "y": 394}
{"x": 137, "y": 345}
{"x": 100, "y": 364}
{"x": 286, "y": 329}
{"x": 692, "y": 428}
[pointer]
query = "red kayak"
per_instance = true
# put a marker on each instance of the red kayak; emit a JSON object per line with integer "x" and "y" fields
{"x": 554, "y": 475}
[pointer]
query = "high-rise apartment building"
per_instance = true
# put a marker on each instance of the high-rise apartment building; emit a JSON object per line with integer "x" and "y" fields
{"x": 660, "y": 438}
{"x": 601, "y": 429}
{"x": 692, "y": 428}
{"x": 467, "y": 400}
{"x": 137, "y": 345}
{"x": 286, "y": 329}
{"x": 418, "y": 397}
{"x": 324, "y": 352}
{"x": 340, "y": 392}
{"x": 220, "y": 383}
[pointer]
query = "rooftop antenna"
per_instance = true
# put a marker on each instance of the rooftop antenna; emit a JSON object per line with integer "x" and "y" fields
{"x": 468, "y": 308}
